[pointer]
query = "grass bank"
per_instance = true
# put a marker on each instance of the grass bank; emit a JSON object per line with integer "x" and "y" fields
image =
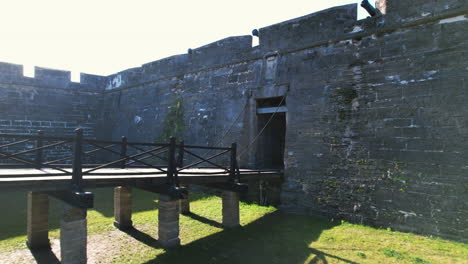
{"x": 266, "y": 236}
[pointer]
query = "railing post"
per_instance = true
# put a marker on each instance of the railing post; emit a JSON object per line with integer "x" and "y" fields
{"x": 39, "y": 144}
{"x": 180, "y": 158}
{"x": 171, "y": 162}
{"x": 77, "y": 174}
{"x": 123, "y": 152}
{"x": 232, "y": 171}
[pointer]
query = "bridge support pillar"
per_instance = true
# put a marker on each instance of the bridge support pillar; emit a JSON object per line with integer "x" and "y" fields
{"x": 230, "y": 209}
{"x": 123, "y": 207}
{"x": 73, "y": 232}
{"x": 184, "y": 205}
{"x": 168, "y": 218}
{"x": 38, "y": 220}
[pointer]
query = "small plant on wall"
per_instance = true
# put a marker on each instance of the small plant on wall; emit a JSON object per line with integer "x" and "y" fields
{"x": 173, "y": 125}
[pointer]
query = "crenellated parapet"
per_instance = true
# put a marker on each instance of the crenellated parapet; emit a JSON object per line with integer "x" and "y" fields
{"x": 220, "y": 52}
{"x": 49, "y": 101}
{"x": 328, "y": 26}
{"x": 226, "y": 51}
{"x": 317, "y": 27}
{"x": 12, "y": 74}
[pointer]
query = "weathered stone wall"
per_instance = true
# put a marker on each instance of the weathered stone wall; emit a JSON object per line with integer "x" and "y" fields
{"x": 376, "y": 124}
{"x": 213, "y": 85}
{"x": 374, "y": 110}
{"x": 376, "y": 119}
{"x": 49, "y": 102}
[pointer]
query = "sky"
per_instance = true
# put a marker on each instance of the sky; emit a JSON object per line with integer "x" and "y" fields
{"x": 106, "y": 36}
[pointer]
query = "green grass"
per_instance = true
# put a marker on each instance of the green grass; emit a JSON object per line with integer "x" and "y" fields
{"x": 266, "y": 236}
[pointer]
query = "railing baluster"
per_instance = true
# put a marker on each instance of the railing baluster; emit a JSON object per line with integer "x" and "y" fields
{"x": 123, "y": 152}
{"x": 77, "y": 175}
{"x": 171, "y": 162}
{"x": 39, "y": 144}
{"x": 232, "y": 171}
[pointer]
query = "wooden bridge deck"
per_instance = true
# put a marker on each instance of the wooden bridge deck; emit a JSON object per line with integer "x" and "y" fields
{"x": 34, "y": 179}
{"x": 141, "y": 168}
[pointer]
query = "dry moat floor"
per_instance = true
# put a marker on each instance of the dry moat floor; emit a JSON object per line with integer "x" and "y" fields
{"x": 266, "y": 236}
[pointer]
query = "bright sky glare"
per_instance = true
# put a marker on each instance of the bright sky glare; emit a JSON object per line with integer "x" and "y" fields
{"x": 106, "y": 36}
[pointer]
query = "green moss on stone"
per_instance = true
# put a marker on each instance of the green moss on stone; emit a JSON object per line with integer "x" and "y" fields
{"x": 173, "y": 125}
{"x": 344, "y": 98}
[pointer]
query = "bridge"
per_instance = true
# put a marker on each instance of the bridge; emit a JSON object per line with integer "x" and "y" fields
{"x": 66, "y": 167}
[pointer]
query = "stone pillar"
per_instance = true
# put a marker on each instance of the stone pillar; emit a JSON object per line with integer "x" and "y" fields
{"x": 168, "y": 217}
{"x": 184, "y": 205}
{"x": 38, "y": 220}
{"x": 73, "y": 232}
{"x": 123, "y": 207}
{"x": 230, "y": 209}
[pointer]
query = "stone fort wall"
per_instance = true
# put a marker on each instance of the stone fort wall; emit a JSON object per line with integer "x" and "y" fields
{"x": 376, "y": 116}
{"x": 49, "y": 101}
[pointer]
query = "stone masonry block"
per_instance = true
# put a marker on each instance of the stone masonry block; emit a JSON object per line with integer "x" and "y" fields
{"x": 184, "y": 205}
{"x": 168, "y": 221}
{"x": 123, "y": 207}
{"x": 230, "y": 209}
{"x": 73, "y": 235}
{"x": 38, "y": 220}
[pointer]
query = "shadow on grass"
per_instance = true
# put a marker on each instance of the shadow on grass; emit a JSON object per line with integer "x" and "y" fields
{"x": 142, "y": 201}
{"x": 274, "y": 238}
{"x": 204, "y": 220}
{"x": 321, "y": 257}
{"x": 14, "y": 206}
{"x": 142, "y": 237}
{"x": 44, "y": 256}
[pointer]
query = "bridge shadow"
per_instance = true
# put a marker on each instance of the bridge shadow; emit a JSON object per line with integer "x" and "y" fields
{"x": 142, "y": 237}
{"x": 154, "y": 243}
{"x": 204, "y": 220}
{"x": 44, "y": 256}
{"x": 142, "y": 201}
{"x": 274, "y": 238}
{"x": 321, "y": 258}
{"x": 14, "y": 208}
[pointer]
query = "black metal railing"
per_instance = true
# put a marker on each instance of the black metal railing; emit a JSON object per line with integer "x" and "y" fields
{"x": 79, "y": 156}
